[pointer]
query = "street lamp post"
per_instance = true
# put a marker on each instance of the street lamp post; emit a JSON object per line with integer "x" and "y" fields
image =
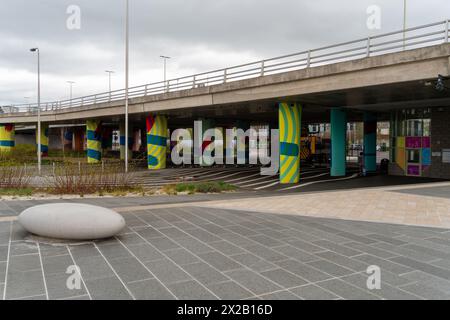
{"x": 127, "y": 36}
{"x": 39, "y": 108}
{"x": 109, "y": 72}
{"x": 165, "y": 71}
{"x": 71, "y": 85}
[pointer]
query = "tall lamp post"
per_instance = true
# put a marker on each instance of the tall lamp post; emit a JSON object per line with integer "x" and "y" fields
{"x": 127, "y": 36}
{"x": 165, "y": 70}
{"x": 109, "y": 72}
{"x": 39, "y": 109}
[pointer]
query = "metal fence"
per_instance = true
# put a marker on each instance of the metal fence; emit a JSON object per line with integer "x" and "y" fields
{"x": 412, "y": 38}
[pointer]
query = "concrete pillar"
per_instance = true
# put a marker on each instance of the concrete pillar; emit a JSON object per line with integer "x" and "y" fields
{"x": 289, "y": 117}
{"x": 156, "y": 142}
{"x": 370, "y": 142}
{"x": 338, "y": 142}
{"x": 122, "y": 141}
{"x": 44, "y": 139}
{"x": 7, "y": 138}
{"x": 94, "y": 141}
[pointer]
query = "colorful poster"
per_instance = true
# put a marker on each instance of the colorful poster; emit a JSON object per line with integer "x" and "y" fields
{"x": 413, "y": 170}
{"x": 400, "y": 158}
{"x": 426, "y": 142}
{"x": 426, "y": 156}
{"x": 413, "y": 142}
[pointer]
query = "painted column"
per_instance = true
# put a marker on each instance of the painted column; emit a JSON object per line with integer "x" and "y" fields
{"x": 122, "y": 141}
{"x": 338, "y": 142}
{"x": 370, "y": 142}
{"x": 94, "y": 141}
{"x": 44, "y": 139}
{"x": 156, "y": 142}
{"x": 7, "y": 138}
{"x": 289, "y": 117}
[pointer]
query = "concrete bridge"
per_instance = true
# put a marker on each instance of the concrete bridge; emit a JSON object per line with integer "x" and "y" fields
{"x": 373, "y": 79}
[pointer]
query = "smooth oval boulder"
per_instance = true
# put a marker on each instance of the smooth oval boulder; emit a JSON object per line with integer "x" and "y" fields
{"x": 71, "y": 221}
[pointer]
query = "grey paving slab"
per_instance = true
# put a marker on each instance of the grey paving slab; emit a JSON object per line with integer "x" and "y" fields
{"x": 425, "y": 291}
{"x": 220, "y": 261}
{"x": 130, "y": 239}
{"x": 254, "y": 262}
{"x": 226, "y": 248}
{"x": 57, "y": 287}
{"x": 343, "y": 261}
{"x": 420, "y": 277}
{"x": 330, "y": 268}
{"x": 341, "y": 249}
{"x": 280, "y": 295}
{"x": 253, "y": 282}
{"x": 233, "y": 255}
{"x": 189, "y": 290}
{"x": 194, "y": 245}
{"x": 24, "y": 263}
{"x": 425, "y": 267}
{"x": 283, "y": 278}
{"x": 384, "y": 238}
{"x": 56, "y": 264}
{"x": 21, "y": 247}
{"x": 84, "y": 251}
{"x": 205, "y": 273}
{"x": 181, "y": 256}
{"x": 346, "y": 291}
{"x": 94, "y": 268}
{"x": 167, "y": 271}
{"x": 372, "y": 250}
{"x": 266, "y": 253}
{"x": 163, "y": 243}
{"x": 295, "y": 253}
{"x": 107, "y": 289}
{"x": 3, "y": 252}
{"x": 24, "y": 284}
{"x": 114, "y": 251}
{"x": 386, "y": 291}
{"x": 313, "y": 292}
{"x": 304, "y": 271}
{"x": 145, "y": 252}
{"x": 384, "y": 264}
{"x": 150, "y": 289}
{"x": 130, "y": 269}
{"x": 229, "y": 290}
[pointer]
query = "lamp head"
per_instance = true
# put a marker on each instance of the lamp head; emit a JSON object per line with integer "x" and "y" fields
{"x": 34, "y": 49}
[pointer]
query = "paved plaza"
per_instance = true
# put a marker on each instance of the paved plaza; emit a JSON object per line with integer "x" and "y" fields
{"x": 196, "y": 250}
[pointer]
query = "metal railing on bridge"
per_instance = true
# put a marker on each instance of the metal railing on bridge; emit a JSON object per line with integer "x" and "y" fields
{"x": 411, "y": 38}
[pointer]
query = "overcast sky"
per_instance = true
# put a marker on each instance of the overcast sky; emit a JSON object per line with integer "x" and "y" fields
{"x": 200, "y": 35}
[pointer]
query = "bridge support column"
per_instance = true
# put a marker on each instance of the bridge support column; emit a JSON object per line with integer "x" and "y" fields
{"x": 44, "y": 139}
{"x": 94, "y": 141}
{"x": 338, "y": 142}
{"x": 156, "y": 142}
{"x": 122, "y": 141}
{"x": 370, "y": 142}
{"x": 7, "y": 138}
{"x": 289, "y": 117}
